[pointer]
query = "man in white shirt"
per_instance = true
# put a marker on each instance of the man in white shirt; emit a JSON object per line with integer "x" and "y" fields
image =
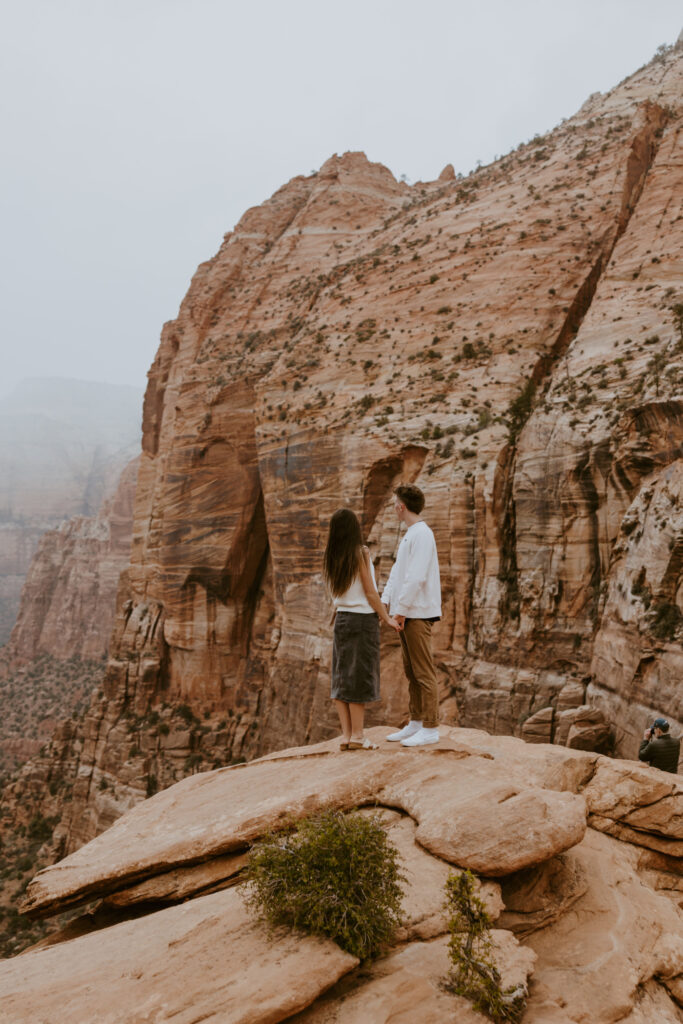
{"x": 413, "y": 595}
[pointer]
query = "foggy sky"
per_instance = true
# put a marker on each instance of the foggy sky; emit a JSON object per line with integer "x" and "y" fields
{"x": 136, "y": 133}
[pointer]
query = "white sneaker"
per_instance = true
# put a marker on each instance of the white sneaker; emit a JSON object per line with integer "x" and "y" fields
{"x": 421, "y": 738}
{"x": 408, "y": 730}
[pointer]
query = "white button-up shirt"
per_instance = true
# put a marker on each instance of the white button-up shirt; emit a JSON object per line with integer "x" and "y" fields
{"x": 414, "y": 586}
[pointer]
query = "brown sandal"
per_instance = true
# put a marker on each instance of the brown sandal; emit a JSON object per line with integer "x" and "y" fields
{"x": 364, "y": 744}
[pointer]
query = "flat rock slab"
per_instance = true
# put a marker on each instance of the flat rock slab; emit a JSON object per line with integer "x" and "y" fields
{"x": 181, "y": 883}
{"x": 672, "y": 849}
{"x": 205, "y": 816}
{"x": 470, "y": 815}
{"x": 638, "y": 796}
{"x": 204, "y": 960}
{"x": 473, "y": 810}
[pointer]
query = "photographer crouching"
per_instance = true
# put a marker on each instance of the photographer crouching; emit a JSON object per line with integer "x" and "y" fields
{"x": 659, "y": 748}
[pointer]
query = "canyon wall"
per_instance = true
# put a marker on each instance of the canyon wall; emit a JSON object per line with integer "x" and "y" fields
{"x": 69, "y": 597}
{"x": 55, "y": 656}
{"x": 512, "y": 342}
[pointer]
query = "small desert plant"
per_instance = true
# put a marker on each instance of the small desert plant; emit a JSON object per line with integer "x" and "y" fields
{"x": 473, "y": 974}
{"x": 677, "y": 312}
{"x": 40, "y": 828}
{"x": 335, "y": 875}
{"x": 667, "y": 618}
{"x": 519, "y": 410}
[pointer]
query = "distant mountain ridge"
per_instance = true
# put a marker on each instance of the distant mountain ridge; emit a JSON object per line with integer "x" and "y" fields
{"x": 63, "y": 446}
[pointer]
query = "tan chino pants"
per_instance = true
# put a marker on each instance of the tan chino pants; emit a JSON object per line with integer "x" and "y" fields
{"x": 418, "y": 664}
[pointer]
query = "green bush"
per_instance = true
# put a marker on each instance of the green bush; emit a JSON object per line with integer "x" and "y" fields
{"x": 473, "y": 974}
{"x": 336, "y": 875}
{"x": 186, "y": 713}
{"x": 40, "y": 828}
{"x": 520, "y": 408}
{"x": 667, "y": 618}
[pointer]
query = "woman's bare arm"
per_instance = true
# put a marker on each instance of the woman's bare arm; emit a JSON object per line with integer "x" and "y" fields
{"x": 371, "y": 591}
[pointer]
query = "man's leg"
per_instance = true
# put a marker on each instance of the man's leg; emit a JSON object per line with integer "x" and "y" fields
{"x": 417, "y": 634}
{"x": 414, "y": 689}
{"x": 414, "y": 698}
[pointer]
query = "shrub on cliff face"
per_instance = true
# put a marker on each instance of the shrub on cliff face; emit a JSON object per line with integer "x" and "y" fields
{"x": 473, "y": 974}
{"x": 519, "y": 410}
{"x": 666, "y": 620}
{"x": 336, "y": 875}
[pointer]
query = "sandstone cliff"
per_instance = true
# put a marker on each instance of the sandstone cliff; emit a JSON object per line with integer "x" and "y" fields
{"x": 578, "y": 857}
{"x": 53, "y": 660}
{"x": 513, "y": 342}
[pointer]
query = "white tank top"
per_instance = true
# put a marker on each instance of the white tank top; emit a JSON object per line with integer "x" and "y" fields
{"x": 354, "y": 599}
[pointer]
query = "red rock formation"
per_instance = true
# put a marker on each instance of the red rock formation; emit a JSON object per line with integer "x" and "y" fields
{"x": 68, "y": 600}
{"x": 53, "y": 660}
{"x": 507, "y": 340}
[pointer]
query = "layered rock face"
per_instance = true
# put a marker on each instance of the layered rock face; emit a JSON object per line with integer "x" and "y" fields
{"x": 69, "y": 597}
{"x": 54, "y": 658}
{"x": 63, "y": 445}
{"x": 513, "y": 342}
{"x": 578, "y": 860}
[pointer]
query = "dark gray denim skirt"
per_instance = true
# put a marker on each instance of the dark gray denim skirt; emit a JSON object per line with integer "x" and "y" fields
{"x": 355, "y": 657}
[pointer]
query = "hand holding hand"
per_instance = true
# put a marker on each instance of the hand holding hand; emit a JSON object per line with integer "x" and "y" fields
{"x": 400, "y": 620}
{"x": 394, "y": 624}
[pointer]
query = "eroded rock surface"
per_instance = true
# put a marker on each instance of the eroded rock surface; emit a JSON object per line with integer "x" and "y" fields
{"x": 607, "y": 957}
{"x": 204, "y": 959}
{"x": 591, "y": 925}
{"x": 468, "y": 813}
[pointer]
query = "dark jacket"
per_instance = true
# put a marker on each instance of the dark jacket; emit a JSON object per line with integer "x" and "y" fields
{"x": 661, "y": 752}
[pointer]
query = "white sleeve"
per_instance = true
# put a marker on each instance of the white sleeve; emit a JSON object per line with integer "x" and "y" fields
{"x": 417, "y": 570}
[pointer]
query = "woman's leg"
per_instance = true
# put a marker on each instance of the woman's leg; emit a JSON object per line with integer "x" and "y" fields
{"x": 357, "y": 714}
{"x": 345, "y": 718}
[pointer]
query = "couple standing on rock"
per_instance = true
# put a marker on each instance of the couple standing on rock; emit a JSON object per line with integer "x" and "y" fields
{"x": 410, "y": 604}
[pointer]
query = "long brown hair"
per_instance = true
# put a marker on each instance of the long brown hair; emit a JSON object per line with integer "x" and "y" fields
{"x": 344, "y": 551}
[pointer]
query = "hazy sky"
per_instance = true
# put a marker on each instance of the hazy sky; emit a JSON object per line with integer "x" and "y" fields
{"x": 136, "y": 132}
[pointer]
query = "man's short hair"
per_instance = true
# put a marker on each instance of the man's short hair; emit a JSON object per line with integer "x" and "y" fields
{"x": 661, "y": 723}
{"x": 411, "y": 496}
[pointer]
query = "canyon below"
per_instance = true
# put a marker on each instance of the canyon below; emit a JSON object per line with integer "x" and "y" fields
{"x": 512, "y": 342}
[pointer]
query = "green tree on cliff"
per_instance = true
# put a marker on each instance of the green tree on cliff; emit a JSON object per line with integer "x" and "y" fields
{"x": 474, "y": 974}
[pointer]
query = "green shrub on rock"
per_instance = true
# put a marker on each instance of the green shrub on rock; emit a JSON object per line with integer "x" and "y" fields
{"x": 336, "y": 875}
{"x": 474, "y": 974}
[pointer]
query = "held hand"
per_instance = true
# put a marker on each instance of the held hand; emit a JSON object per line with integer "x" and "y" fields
{"x": 394, "y": 624}
{"x": 400, "y": 620}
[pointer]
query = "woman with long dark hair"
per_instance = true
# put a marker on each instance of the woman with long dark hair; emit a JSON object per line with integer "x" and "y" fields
{"x": 350, "y": 576}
